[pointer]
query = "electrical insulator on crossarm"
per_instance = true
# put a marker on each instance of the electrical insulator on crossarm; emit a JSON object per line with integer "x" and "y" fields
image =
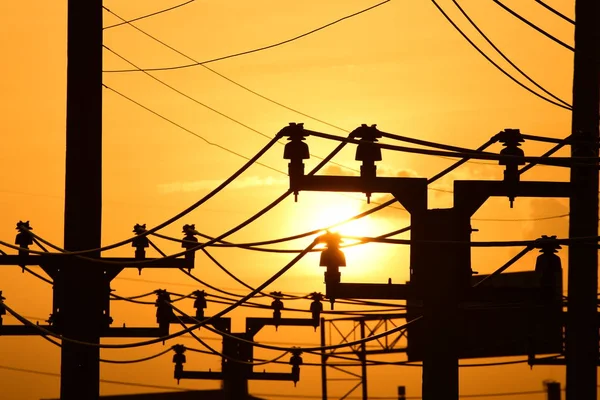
{"x": 511, "y": 139}
{"x": 140, "y": 243}
{"x": 164, "y": 311}
{"x": 277, "y": 306}
{"x": 333, "y": 258}
{"x": 190, "y": 241}
{"x": 179, "y": 359}
{"x": 549, "y": 268}
{"x": 2, "y": 308}
{"x": 368, "y": 151}
{"x": 316, "y": 307}
{"x": 296, "y": 150}
{"x": 296, "y": 361}
{"x": 200, "y": 303}
{"x": 24, "y": 238}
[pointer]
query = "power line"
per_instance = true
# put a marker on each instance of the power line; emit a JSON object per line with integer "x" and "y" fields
{"x": 259, "y": 48}
{"x": 464, "y": 35}
{"x": 173, "y": 335}
{"x": 197, "y": 204}
{"x": 147, "y": 15}
{"x": 467, "y": 153}
{"x": 226, "y": 77}
{"x": 229, "y": 80}
{"x": 532, "y": 25}
{"x": 215, "y": 111}
{"x": 303, "y": 349}
{"x": 555, "y": 11}
{"x": 505, "y": 57}
{"x": 109, "y": 381}
{"x": 190, "y": 131}
{"x": 276, "y": 395}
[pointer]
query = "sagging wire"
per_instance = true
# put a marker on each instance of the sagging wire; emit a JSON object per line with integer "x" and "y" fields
{"x": 219, "y": 314}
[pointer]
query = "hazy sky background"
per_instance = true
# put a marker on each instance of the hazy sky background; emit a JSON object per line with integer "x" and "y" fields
{"x": 401, "y": 66}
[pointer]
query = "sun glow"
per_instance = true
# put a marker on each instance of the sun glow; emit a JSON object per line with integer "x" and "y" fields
{"x": 365, "y": 262}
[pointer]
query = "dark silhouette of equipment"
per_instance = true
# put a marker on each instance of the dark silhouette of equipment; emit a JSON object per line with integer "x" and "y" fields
{"x": 238, "y": 355}
{"x": 442, "y": 287}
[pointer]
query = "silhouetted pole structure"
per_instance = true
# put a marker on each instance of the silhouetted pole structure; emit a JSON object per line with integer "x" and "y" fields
{"x": 401, "y": 393}
{"x": 582, "y": 326}
{"x": 81, "y": 314}
{"x": 363, "y": 361}
{"x": 323, "y": 362}
{"x": 553, "y": 390}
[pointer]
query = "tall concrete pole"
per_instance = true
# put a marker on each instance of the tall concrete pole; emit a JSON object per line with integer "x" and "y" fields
{"x": 582, "y": 325}
{"x": 81, "y": 316}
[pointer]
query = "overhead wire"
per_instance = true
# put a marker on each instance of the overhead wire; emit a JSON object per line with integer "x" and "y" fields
{"x": 303, "y": 349}
{"x": 506, "y": 243}
{"x": 158, "y": 227}
{"x": 555, "y": 11}
{"x": 555, "y": 161}
{"x": 466, "y": 37}
{"x": 361, "y": 215}
{"x": 179, "y": 388}
{"x": 219, "y": 314}
{"x": 532, "y": 25}
{"x": 259, "y": 48}
{"x": 505, "y": 57}
{"x": 147, "y": 15}
{"x": 224, "y": 148}
{"x": 109, "y": 361}
{"x": 227, "y": 78}
{"x": 109, "y": 381}
{"x": 229, "y": 358}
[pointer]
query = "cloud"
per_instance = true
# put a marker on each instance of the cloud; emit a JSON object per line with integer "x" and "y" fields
{"x": 207, "y": 184}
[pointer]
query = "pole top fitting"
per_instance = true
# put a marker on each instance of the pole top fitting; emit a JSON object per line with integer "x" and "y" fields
{"x": 548, "y": 244}
{"x": 23, "y": 226}
{"x": 138, "y": 229}
{"x": 190, "y": 229}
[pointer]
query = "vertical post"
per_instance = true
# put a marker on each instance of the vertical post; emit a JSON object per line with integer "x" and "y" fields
{"x": 323, "y": 362}
{"x": 363, "y": 361}
{"x": 235, "y": 375}
{"x": 81, "y": 302}
{"x": 441, "y": 277}
{"x": 581, "y": 328}
{"x": 401, "y": 393}
{"x": 553, "y": 390}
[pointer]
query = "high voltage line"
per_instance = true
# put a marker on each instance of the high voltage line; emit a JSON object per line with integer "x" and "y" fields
{"x": 263, "y": 47}
{"x": 147, "y": 15}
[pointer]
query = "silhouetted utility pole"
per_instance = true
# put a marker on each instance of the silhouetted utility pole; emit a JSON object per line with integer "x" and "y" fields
{"x": 401, "y": 393}
{"x": 553, "y": 390}
{"x": 82, "y": 297}
{"x": 363, "y": 362}
{"x": 582, "y": 325}
{"x": 323, "y": 362}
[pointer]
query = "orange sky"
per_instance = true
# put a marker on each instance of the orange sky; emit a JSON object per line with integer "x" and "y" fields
{"x": 401, "y": 66}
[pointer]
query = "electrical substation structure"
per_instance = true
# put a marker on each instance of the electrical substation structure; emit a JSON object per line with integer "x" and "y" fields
{"x": 495, "y": 315}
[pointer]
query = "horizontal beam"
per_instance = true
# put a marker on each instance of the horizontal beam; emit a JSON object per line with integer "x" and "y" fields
{"x": 218, "y": 375}
{"x": 215, "y": 375}
{"x": 385, "y": 291}
{"x": 357, "y": 184}
{"x": 117, "y": 262}
{"x": 518, "y": 189}
{"x": 24, "y": 330}
{"x": 271, "y": 376}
